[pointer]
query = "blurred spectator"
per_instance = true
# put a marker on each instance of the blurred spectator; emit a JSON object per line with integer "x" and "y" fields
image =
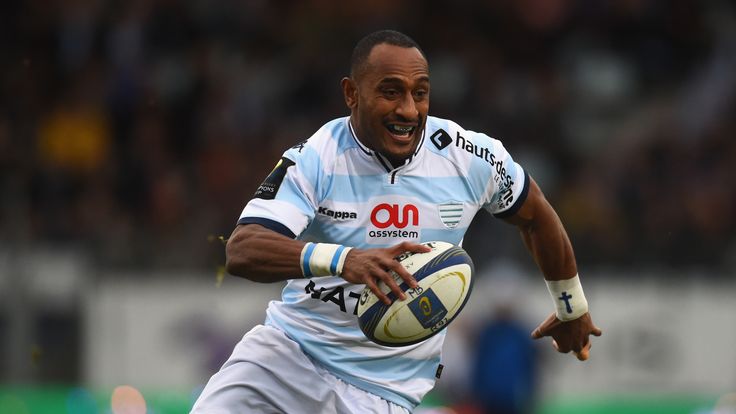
{"x": 503, "y": 373}
{"x": 74, "y": 139}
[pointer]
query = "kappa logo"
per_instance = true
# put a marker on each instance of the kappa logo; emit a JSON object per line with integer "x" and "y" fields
{"x": 337, "y": 215}
{"x": 300, "y": 146}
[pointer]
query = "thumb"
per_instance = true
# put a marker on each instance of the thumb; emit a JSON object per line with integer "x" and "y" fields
{"x": 596, "y": 332}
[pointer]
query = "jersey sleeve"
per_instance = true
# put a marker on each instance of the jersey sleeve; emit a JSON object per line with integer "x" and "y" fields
{"x": 509, "y": 183}
{"x": 285, "y": 201}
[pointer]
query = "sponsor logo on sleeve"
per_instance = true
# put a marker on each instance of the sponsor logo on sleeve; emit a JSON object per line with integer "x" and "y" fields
{"x": 270, "y": 186}
{"x": 441, "y": 139}
{"x": 503, "y": 179}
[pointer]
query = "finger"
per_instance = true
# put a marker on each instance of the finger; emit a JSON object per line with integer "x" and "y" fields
{"x": 544, "y": 328}
{"x": 371, "y": 284}
{"x": 389, "y": 278}
{"x": 537, "y": 333}
{"x": 415, "y": 247}
{"x": 584, "y": 353}
{"x": 406, "y": 246}
{"x": 596, "y": 331}
{"x": 401, "y": 272}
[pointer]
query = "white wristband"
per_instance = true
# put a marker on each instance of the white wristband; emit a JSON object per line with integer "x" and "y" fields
{"x": 568, "y": 297}
{"x": 323, "y": 259}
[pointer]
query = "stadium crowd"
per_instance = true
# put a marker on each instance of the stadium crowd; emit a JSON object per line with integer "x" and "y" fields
{"x": 134, "y": 130}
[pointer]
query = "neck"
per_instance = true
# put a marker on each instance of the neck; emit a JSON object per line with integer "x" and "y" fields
{"x": 395, "y": 162}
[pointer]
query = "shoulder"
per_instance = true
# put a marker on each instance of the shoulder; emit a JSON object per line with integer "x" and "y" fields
{"x": 330, "y": 140}
{"x": 447, "y": 138}
{"x": 317, "y": 158}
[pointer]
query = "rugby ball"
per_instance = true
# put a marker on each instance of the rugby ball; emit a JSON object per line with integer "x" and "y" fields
{"x": 445, "y": 278}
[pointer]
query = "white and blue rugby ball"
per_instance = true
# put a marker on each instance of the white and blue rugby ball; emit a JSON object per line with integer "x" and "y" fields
{"x": 445, "y": 278}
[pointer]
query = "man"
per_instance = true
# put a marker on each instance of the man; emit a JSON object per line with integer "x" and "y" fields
{"x": 332, "y": 216}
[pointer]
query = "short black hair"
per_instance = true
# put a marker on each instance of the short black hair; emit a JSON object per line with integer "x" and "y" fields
{"x": 365, "y": 45}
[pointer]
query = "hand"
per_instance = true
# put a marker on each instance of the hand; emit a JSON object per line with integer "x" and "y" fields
{"x": 569, "y": 336}
{"x": 369, "y": 266}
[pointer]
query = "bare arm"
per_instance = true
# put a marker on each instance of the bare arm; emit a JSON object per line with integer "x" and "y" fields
{"x": 544, "y": 236}
{"x": 262, "y": 255}
{"x": 547, "y": 242}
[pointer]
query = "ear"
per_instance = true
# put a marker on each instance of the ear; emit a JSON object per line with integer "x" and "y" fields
{"x": 350, "y": 92}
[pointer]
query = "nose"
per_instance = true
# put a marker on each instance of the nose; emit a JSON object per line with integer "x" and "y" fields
{"x": 407, "y": 108}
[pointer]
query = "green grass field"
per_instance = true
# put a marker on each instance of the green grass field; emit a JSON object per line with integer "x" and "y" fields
{"x": 71, "y": 400}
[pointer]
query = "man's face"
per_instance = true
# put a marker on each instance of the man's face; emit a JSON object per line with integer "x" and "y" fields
{"x": 389, "y": 101}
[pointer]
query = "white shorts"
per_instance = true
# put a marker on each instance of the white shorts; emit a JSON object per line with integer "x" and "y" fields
{"x": 268, "y": 373}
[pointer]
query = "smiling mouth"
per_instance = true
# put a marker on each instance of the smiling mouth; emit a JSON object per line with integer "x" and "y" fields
{"x": 401, "y": 132}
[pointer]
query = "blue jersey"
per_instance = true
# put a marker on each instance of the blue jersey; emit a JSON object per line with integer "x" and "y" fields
{"x": 332, "y": 188}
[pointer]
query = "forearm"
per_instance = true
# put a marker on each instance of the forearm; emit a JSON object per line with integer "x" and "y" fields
{"x": 547, "y": 241}
{"x": 549, "y": 245}
{"x": 544, "y": 236}
{"x": 262, "y": 255}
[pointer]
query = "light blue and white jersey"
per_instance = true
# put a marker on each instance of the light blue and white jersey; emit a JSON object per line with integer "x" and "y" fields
{"x": 333, "y": 189}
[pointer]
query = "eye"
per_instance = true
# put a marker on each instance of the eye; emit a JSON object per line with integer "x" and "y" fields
{"x": 390, "y": 93}
{"x": 420, "y": 94}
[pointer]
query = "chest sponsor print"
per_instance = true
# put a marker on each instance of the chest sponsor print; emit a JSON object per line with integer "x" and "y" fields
{"x": 393, "y": 222}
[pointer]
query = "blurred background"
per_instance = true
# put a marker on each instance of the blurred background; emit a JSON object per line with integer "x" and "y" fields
{"x": 133, "y": 133}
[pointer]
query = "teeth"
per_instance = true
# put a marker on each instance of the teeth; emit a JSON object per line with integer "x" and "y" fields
{"x": 401, "y": 130}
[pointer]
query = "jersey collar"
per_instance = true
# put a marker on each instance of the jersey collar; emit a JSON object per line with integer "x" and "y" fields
{"x": 378, "y": 156}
